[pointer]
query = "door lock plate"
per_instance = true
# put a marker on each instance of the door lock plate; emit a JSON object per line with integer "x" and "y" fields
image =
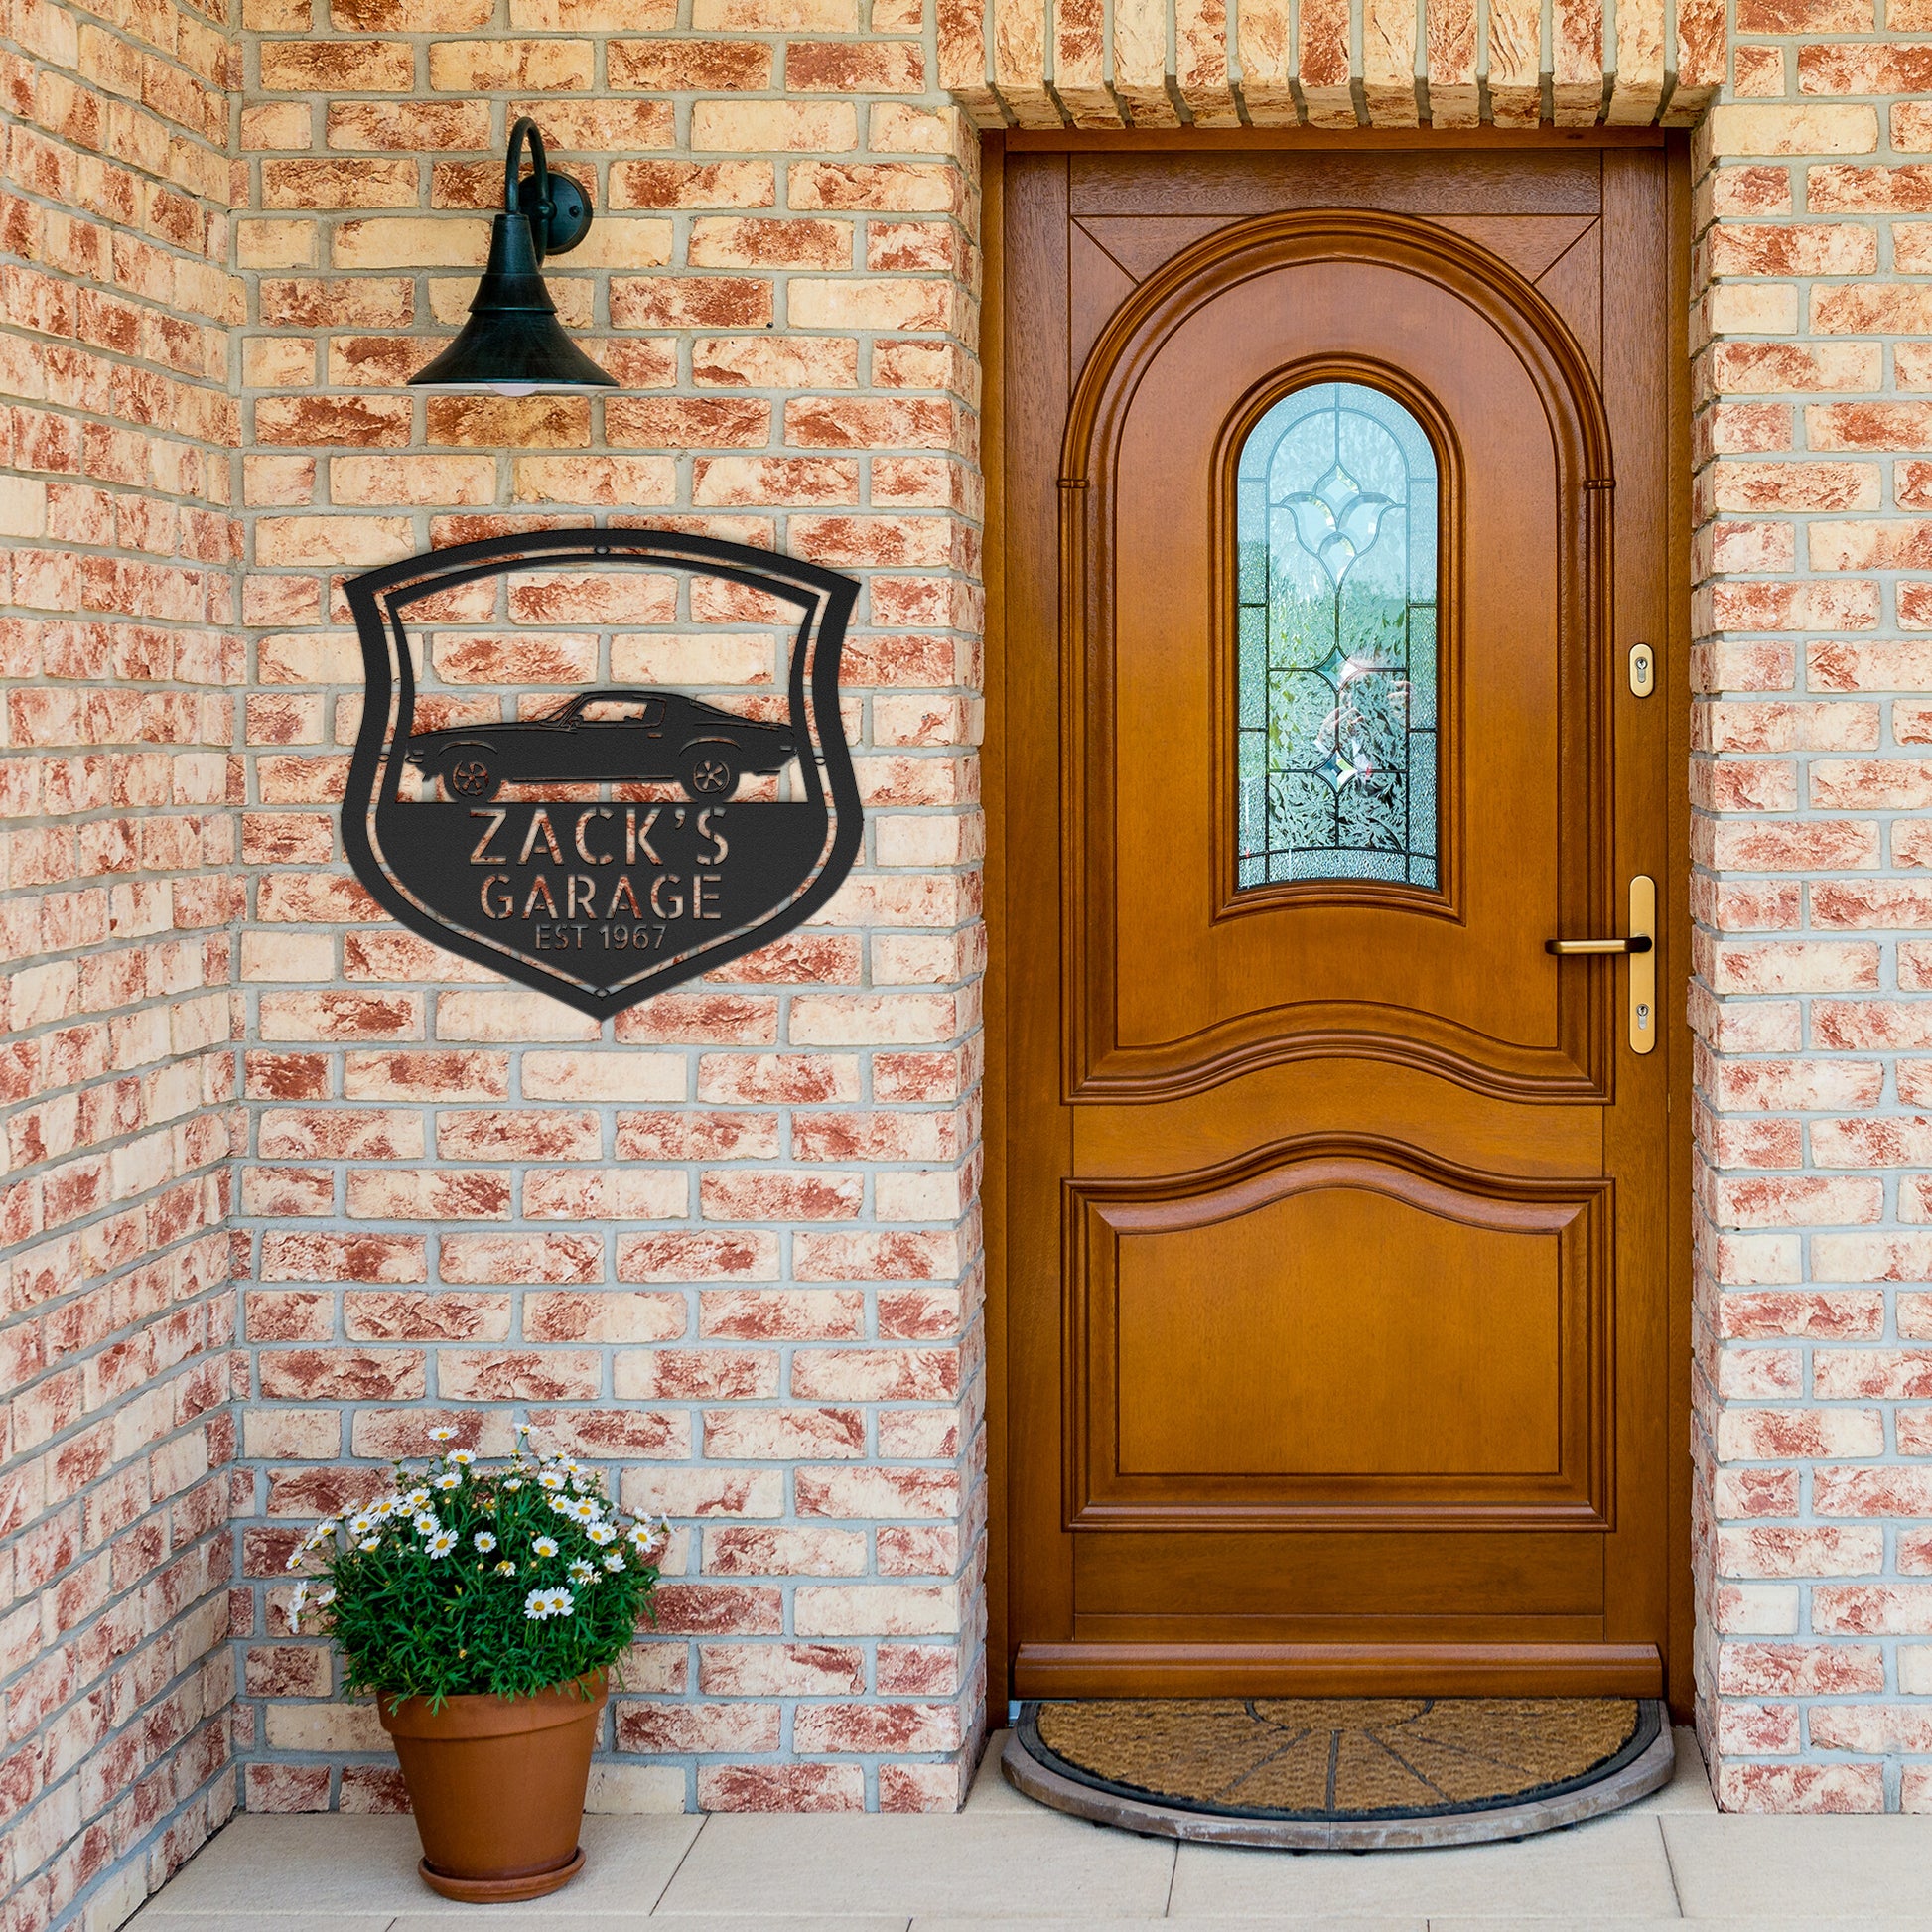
{"x": 1643, "y": 670}
{"x": 1643, "y": 965}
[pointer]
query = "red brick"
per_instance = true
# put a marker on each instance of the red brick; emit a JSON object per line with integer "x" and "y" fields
{"x": 505, "y": 1375}
{"x": 338, "y": 1374}
{"x": 857, "y": 68}
{"x": 697, "y": 1728}
{"x": 691, "y": 302}
{"x": 782, "y": 1787}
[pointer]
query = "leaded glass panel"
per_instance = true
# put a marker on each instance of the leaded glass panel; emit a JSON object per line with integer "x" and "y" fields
{"x": 1336, "y": 528}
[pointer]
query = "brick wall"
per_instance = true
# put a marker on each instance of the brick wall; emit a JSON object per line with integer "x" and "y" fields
{"x": 121, "y": 670}
{"x": 1811, "y": 782}
{"x": 727, "y": 1245}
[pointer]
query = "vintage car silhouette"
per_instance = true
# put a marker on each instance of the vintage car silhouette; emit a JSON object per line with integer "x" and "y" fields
{"x": 648, "y": 734}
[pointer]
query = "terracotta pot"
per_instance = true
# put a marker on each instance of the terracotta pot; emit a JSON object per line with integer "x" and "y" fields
{"x": 498, "y": 1787}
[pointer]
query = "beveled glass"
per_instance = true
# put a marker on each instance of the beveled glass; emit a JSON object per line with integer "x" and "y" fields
{"x": 1336, "y": 508}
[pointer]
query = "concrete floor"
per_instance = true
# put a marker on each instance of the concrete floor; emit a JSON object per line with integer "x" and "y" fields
{"x": 1670, "y": 1858}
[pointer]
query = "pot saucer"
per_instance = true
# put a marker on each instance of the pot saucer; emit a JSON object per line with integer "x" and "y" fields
{"x": 501, "y": 1891}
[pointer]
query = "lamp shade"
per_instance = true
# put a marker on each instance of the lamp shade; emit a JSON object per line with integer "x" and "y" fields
{"x": 512, "y": 343}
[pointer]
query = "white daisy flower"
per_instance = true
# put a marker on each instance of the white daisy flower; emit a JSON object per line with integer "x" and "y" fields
{"x": 506, "y": 1568}
{"x": 545, "y": 1546}
{"x": 461, "y": 1457}
{"x": 295, "y": 1557}
{"x": 442, "y": 1543}
{"x": 325, "y": 1597}
{"x": 485, "y": 1542}
{"x": 536, "y": 1606}
{"x": 449, "y": 1479}
{"x": 416, "y": 1498}
{"x": 613, "y": 1561}
{"x": 296, "y": 1603}
{"x": 426, "y": 1523}
{"x": 600, "y": 1533}
{"x": 444, "y": 1435}
{"x": 562, "y": 1603}
{"x": 585, "y": 1510}
{"x": 370, "y": 1543}
{"x": 360, "y": 1523}
{"x": 516, "y": 1482}
{"x": 581, "y": 1573}
{"x": 550, "y": 1480}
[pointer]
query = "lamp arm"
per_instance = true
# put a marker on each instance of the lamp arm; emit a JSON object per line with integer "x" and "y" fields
{"x": 527, "y": 129}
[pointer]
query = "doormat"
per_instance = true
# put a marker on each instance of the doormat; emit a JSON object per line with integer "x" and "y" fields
{"x": 1340, "y": 1773}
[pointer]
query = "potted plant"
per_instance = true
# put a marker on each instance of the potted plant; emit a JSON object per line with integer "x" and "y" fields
{"x": 485, "y": 1608}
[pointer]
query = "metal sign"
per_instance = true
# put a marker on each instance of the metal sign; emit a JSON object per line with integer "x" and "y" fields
{"x": 650, "y": 869}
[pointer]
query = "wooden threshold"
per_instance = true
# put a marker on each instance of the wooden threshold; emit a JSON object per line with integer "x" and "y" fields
{"x": 1095, "y": 1670}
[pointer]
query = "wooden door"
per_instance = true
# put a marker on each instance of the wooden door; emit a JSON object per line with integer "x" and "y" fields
{"x": 1338, "y": 1251}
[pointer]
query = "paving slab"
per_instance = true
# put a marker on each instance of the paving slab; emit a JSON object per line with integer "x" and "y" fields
{"x": 1040, "y": 1865}
{"x": 1614, "y": 1868}
{"x": 529, "y": 1917}
{"x": 301, "y": 1867}
{"x": 308, "y": 1865}
{"x": 990, "y": 1789}
{"x": 1689, "y": 1788}
{"x": 1793, "y": 1868}
{"x": 560, "y": 1918}
{"x": 1800, "y": 1924}
{"x": 159, "y": 1920}
{"x": 1403, "y": 1923}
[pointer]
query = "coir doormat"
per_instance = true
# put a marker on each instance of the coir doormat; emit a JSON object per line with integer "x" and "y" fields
{"x": 1341, "y": 1772}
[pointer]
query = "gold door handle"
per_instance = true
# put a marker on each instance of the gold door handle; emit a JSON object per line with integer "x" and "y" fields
{"x": 1570, "y": 949}
{"x": 1641, "y": 948}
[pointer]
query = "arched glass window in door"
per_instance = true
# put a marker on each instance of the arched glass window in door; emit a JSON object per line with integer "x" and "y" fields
{"x": 1336, "y": 529}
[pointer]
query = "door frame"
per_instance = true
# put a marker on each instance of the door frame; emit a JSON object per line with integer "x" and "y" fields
{"x": 994, "y": 149}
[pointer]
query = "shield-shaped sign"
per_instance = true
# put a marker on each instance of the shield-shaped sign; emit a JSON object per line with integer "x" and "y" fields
{"x": 619, "y": 838}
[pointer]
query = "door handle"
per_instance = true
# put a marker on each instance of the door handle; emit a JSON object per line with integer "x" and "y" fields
{"x": 1640, "y": 946}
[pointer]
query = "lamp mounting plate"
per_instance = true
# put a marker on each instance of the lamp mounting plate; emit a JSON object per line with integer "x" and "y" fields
{"x": 570, "y": 214}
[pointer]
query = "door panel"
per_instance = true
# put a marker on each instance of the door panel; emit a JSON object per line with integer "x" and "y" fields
{"x": 1457, "y": 1370}
{"x": 1454, "y": 1369}
{"x": 1336, "y": 1238}
{"x": 1465, "y": 1388}
{"x": 1459, "y": 976}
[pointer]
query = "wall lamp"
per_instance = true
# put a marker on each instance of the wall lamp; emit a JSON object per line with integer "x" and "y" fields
{"x": 512, "y": 343}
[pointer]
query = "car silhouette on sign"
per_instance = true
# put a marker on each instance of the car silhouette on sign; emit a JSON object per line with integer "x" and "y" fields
{"x": 640, "y": 735}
